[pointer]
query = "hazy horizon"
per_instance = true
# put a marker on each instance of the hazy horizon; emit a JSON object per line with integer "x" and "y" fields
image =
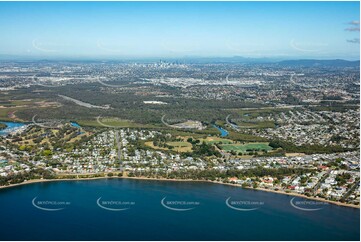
{"x": 141, "y": 30}
{"x": 181, "y": 59}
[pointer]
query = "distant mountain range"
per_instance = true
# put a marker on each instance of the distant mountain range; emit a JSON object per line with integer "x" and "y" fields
{"x": 280, "y": 62}
{"x": 320, "y": 63}
{"x": 198, "y": 60}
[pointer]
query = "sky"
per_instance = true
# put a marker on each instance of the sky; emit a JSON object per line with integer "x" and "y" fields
{"x": 323, "y": 30}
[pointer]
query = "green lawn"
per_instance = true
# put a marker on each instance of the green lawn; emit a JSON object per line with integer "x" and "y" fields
{"x": 244, "y": 147}
{"x": 256, "y": 125}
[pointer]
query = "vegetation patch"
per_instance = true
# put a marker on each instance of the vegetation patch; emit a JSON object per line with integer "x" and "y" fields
{"x": 112, "y": 122}
{"x": 249, "y": 147}
{"x": 2, "y": 126}
{"x": 180, "y": 146}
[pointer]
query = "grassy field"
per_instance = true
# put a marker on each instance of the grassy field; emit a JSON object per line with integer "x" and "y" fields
{"x": 247, "y": 119}
{"x": 4, "y": 113}
{"x": 214, "y": 140}
{"x": 197, "y": 134}
{"x": 244, "y": 147}
{"x": 256, "y": 125}
{"x": 179, "y": 146}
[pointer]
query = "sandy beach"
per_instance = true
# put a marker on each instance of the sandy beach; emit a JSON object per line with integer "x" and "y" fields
{"x": 184, "y": 180}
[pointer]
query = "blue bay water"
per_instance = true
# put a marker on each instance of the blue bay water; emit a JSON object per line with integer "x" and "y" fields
{"x": 76, "y": 125}
{"x": 224, "y": 132}
{"x": 10, "y": 126}
{"x": 147, "y": 219}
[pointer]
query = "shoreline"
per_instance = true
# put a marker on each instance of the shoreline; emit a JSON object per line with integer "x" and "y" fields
{"x": 184, "y": 180}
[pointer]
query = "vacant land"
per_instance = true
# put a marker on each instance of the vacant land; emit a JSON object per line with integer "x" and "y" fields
{"x": 9, "y": 108}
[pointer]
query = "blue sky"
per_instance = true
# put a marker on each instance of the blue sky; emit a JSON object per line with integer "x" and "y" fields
{"x": 176, "y": 29}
